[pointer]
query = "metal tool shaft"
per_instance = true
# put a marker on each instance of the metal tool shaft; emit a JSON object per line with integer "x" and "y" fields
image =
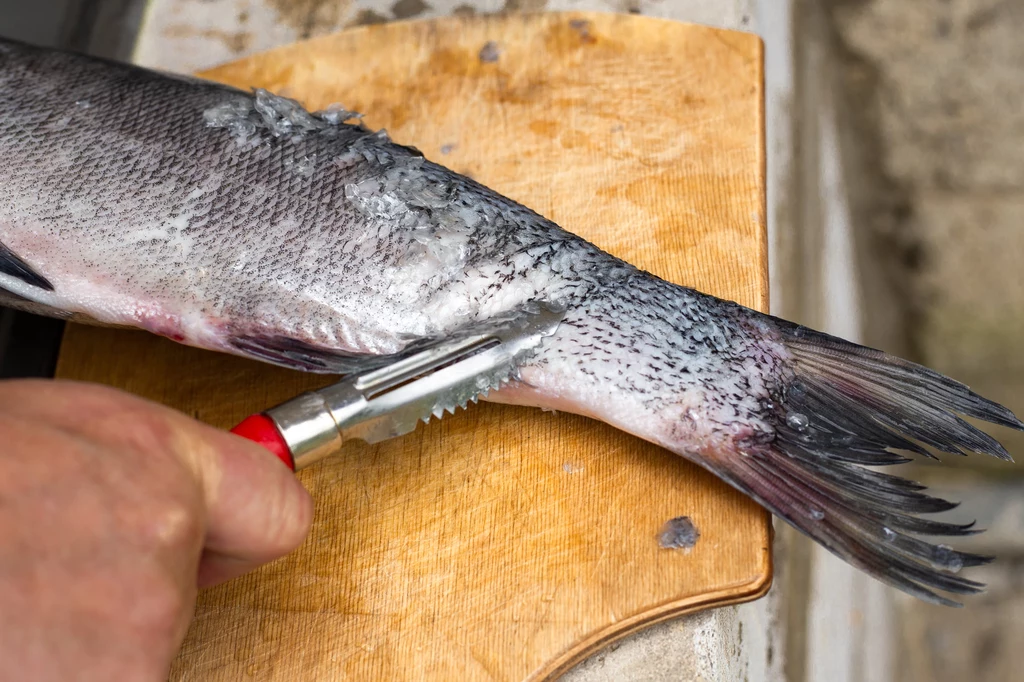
{"x": 391, "y": 401}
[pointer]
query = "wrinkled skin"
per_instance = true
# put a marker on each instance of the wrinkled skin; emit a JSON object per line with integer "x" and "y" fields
{"x": 113, "y": 512}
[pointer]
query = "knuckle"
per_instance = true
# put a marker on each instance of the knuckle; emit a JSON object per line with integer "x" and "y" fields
{"x": 172, "y": 522}
{"x": 149, "y": 430}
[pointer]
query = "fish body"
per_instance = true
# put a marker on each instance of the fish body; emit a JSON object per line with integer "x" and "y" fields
{"x": 240, "y": 222}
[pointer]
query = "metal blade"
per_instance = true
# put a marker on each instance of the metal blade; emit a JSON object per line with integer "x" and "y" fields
{"x": 476, "y": 369}
{"x": 393, "y": 400}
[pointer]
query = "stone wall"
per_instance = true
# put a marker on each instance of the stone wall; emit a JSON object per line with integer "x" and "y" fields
{"x": 930, "y": 100}
{"x": 934, "y": 102}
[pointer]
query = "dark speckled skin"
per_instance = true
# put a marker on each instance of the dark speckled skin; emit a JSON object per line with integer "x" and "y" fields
{"x": 239, "y": 222}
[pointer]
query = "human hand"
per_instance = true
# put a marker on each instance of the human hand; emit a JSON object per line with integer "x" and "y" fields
{"x": 113, "y": 512}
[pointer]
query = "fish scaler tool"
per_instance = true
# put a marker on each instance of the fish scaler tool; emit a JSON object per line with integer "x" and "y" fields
{"x": 392, "y": 400}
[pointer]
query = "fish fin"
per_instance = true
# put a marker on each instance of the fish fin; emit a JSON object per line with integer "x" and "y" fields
{"x": 864, "y": 386}
{"x": 841, "y": 409}
{"x": 306, "y": 357}
{"x": 301, "y": 355}
{"x": 11, "y": 264}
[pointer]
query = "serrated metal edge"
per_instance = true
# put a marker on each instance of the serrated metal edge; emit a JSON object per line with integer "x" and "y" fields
{"x": 462, "y": 398}
{"x": 524, "y": 349}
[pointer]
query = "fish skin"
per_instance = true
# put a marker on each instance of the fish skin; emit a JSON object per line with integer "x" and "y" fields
{"x": 241, "y": 223}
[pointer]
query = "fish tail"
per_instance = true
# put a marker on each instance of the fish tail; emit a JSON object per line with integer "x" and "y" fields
{"x": 840, "y": 409}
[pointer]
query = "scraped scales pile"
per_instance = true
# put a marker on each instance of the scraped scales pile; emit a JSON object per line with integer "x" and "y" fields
{"x": 501, "y": 542}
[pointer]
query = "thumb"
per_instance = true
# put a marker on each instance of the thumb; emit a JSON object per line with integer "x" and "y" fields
{"x": 257, "y": 510}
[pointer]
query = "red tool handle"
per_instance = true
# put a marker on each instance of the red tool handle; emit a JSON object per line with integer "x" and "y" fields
{"x": 261, "y": 429}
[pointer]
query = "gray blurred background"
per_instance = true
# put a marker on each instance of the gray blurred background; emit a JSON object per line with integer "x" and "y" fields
{"x": 930, "y": 102}
{"x": 927, "y": 99}
{"x": 896, "y": 212}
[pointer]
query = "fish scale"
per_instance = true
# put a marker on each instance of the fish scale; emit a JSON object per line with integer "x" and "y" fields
{"x": 240, "y": 222}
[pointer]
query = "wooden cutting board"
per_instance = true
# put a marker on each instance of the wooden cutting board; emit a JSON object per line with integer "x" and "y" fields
{"x": 500, "y": 543}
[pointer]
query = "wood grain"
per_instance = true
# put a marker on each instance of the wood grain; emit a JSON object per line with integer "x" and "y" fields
{"x": 500, "y": 543}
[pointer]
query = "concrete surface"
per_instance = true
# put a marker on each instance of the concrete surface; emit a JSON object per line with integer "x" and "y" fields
{"x": 932, "y": 124}
{"x": 837, "y": 621}
{"x": 192, "y": 34}
{"x": 723, "y": 645}
{"x": 983, "y": 641}
{"x": 849, "y": 623}
{"x": 32, "y": 22}
{"x": 935, "y": 92}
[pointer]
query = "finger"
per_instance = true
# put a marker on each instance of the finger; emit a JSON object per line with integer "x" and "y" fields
{"x": 257, "y": 510}
{"x": 216, "y": 568}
